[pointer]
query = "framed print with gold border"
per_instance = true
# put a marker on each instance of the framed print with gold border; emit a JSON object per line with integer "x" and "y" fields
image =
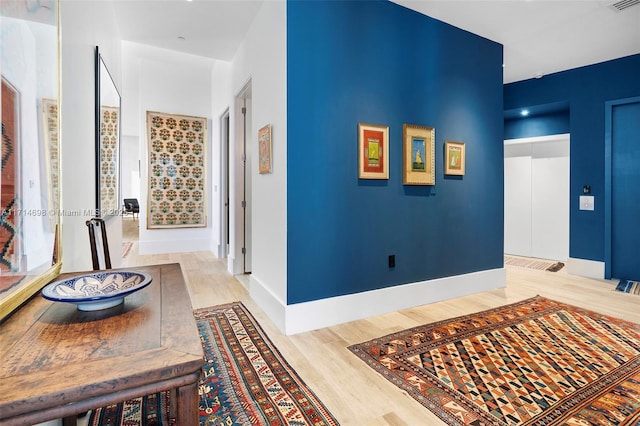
{"x": 373, "y": 151}
{"x": 418, "y": 155}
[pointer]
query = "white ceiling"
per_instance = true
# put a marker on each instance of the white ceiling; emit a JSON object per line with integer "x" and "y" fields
{"x": 210, "y": 28}
{"x": 539, "y": 36}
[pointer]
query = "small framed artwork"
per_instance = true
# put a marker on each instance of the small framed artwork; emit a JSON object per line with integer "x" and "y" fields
{"x": 418, "y": 158}
{"x": 373, "y": 151}
{"x": 454, "y": 158}
{"x": 264, "y": 149}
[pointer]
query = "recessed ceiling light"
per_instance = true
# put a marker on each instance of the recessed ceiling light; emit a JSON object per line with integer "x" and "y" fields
{"x": 524, "y": 112}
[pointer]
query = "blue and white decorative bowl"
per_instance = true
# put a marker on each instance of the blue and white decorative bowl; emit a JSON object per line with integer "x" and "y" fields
{"x": 100, "y": 290}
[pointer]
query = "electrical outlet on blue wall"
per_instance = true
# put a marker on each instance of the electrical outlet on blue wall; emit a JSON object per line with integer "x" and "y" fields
{"x": 392, "y": 261}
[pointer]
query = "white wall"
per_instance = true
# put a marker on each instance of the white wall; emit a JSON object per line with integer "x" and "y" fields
{"x": 132, "y": 145}
{"x": 262, "y": 59}
{"x": 130, "y": 167}
{"x": 166, "y": 81}
{"x": 84, "y": 25}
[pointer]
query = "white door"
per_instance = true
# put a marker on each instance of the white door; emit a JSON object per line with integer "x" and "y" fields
{"x": 550, "y": 200}
{"x": 517, "y": 199}
{"x": 536, "y": 197}
{"x": 244, "y": 142}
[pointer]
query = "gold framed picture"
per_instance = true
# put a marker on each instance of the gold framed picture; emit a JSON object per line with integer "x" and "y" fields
{"x": 264, "y": 149}
{"x": 418, "y": 157}
{"x": 373, "y": 151}
{"x": 454, "y": 158}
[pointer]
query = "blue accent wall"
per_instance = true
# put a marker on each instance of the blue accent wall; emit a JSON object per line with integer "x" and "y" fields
{"x": 586, "y": 90}
{"x": 377, "y": 62}
{"x": 537, "y": 125}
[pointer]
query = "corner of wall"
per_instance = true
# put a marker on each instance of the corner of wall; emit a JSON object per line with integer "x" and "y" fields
{"x": 275, "y": 308}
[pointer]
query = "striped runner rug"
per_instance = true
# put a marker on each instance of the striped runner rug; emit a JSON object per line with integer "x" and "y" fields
{"x": 245, "y": 381}
{"x": 533, "y": 263}
{"x": 629, "y": 286}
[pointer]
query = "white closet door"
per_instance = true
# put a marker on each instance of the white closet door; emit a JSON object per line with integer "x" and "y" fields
{"x": 517, "y": 199}
{"x": 550, "y": 200}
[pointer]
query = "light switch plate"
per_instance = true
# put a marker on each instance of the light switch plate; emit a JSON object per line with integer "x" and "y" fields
{"x": 586, "y": 202}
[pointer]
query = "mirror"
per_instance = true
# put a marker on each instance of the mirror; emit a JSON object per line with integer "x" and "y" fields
{"x": 30, "y": 180}
{"x": 107, "y": 142}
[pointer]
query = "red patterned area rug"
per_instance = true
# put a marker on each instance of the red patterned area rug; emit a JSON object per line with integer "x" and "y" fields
{"x": 533, "y": 263}
{"x": 245, "y": 381}
{"x": 535, "y": 362}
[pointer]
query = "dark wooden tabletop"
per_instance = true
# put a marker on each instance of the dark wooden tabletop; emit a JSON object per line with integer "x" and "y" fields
{"x": 56, "y": 360}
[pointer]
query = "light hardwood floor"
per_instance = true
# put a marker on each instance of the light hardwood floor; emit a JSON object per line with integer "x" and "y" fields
{"x": 353, "y": 392}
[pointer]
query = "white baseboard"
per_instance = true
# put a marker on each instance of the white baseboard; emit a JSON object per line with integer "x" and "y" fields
{"x": 230, "y": 264}
{"x": 585, "y": 268}
{"x": 235, "y": 266}
{"x": 173, "y": 246}
{"x": 300, "y": 317}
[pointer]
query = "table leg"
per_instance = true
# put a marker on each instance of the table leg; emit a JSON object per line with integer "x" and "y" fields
{"x": 187, "y": 397}
{"x": 173, "y": 406}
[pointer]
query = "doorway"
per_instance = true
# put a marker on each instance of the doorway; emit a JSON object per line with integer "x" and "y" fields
{"x": 239, "y": 166}
{"x": 130, "y": 187}
{"x": 536, "y": 197}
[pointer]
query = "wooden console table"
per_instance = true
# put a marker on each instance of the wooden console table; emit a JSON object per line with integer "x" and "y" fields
{"x": 57, "y": 361}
